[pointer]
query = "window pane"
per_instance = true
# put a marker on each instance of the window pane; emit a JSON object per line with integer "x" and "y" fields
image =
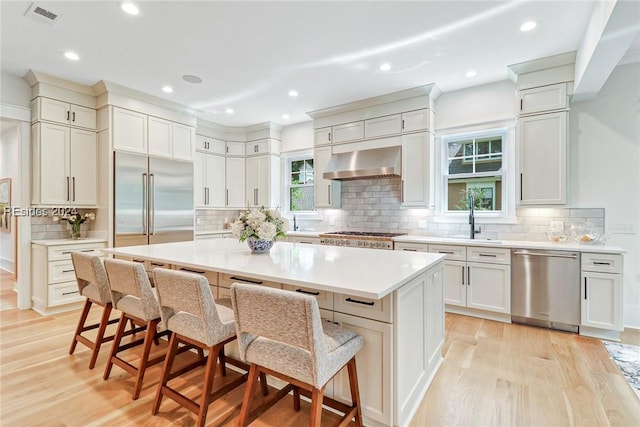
{"x": 482, "y": 147}
{"x": 488, "y": 165}
{"x": 486, "y": 192}
{"x": 301, "y": 199}
{"x": 496, "y": 146}
{"x": 455, "y": 149}
{"x": 468, "y": 149}
{"x": 297, "y": 165}
{"x": 309, "y": 164}
{"x": 295, "y": 178}
{"x": 457, "y": 166}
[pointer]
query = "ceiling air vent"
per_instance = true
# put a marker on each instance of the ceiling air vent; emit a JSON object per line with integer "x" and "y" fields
{"x": 41, "y": 14}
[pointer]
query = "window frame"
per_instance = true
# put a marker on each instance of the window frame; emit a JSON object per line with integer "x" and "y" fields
{"x": 287, "y": 160}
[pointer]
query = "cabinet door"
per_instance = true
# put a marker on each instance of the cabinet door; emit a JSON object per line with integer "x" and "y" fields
{"x": 374, "y": 363}
{"x": 489, "y": 287}
{"x": 601, "y": 301}
{"x": 216, "y": 184}
{"x": 159, "y": 137}
{"x": 542, "y": 142}
{"x": 83, "y": 117}
{"x": 54, "y": 110}
{"x": 129, "y": 131}
{"x": 454, "y": 283}
{"x": 83, "y": 167}
{"x": 348, "y": 132}
{"x": 545, "y": 98}
{"x": 323, "y": 136}
{"x": 326, "y": 192}
{"x": 382, "y": 126}
{"x": 55, "y": 181}
{"x": 413, "y": 121}
{"x": 182, "y": 141}
{"x": 415, "y": 183}
{"x": 234, "y": 196}
{"x": 235, "y": 148}
{"x": 200, "y": 179}
{"x": 251, "y": 180}
{"x": 435, "y": 312}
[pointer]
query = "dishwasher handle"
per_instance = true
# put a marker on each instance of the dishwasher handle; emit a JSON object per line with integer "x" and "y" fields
{"x": 572, "y": 256}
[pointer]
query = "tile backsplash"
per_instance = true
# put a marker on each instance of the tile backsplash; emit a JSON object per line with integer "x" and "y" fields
{"x": 45, "y": 228}
{"x": 210, "y": 220}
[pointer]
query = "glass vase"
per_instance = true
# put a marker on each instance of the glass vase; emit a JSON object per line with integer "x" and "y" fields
{"x": 75, "y": 231}
{"x": 259, "y": 246}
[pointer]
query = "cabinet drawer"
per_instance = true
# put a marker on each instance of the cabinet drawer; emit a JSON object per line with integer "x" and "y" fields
{"x": 490, "y": 255}
{"x": 64, "y": 293}
{"x": 382, "y": 126}
{"x": 227, "y": 279}
{"x": 602, "y": 263}
{"x": 376, "y": 309}
{"x": 452, "y": 252}
{"x": 61, "y": 271}
{"x": 325, "y": 299}
{"x": 348, "y": 132}
{"x": 212, "y": 276}
{"x": 57, "y": 253}
{"x": 411, "y": 247}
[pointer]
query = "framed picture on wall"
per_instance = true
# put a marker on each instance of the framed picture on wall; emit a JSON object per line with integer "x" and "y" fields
{"x": 5, "y": 202}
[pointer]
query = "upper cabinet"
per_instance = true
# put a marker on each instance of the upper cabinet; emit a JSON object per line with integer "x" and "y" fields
{"x": 383, "y": 126}
{"x": 235, "y": 148}
{"x": 263, "y": 181}
{"x": 52, "y": 110}
{"x": 207, "y": 144}
{"x": 543, "y": 99}
{"x": 327, "y": 193}
{"x": 415, "y": 121}
{"x": 323, "y": 136}
{"x": 262, "y": 146}
{"x": 348, "y": 132}
{"x": 139, "y": 133}
{"x": 416, "y": 171}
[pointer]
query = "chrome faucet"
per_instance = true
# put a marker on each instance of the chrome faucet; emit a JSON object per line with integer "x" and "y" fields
{"x": 472, "y": 220}
{"x": 295, "y": 226}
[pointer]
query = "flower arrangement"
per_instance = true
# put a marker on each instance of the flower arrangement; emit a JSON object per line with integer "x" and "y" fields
{"x": 75, "y": 221}
{"x": 259, "y": 224}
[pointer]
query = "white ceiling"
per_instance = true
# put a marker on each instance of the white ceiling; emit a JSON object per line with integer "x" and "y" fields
{"x": 250, "y": 54}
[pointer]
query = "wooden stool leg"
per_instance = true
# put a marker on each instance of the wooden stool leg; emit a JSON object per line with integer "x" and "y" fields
{"x": 296, "y": 399}
{"x": 317, "y": 396}
{"x": 81, "y": 321}
{"x": 104, "y": 322}
{"x": 263, "y": 384}
{"x": 144, "y": 358}
{"x": 116, "y": 344}
{"x": 355, "y": 390}
{"x": 209, "y": 374}
{"x": 166, "y": 371}
{"x": 243, "y": 419}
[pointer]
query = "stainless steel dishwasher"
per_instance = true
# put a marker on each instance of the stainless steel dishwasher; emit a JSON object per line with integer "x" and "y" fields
{"x": 545, "y": 288}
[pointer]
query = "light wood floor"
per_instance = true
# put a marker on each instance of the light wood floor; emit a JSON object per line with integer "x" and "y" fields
{"x": 493, "y": 374}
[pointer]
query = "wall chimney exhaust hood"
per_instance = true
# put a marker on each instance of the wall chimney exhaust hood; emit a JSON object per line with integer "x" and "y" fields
{"x": 375, "y": 163}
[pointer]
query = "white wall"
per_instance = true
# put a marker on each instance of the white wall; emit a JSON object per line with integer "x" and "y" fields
{"x": 298, "y": 137}
{"x": 9, "y": 169}
{"x": 604, "y": 168}
{"x": 14, "y": 91}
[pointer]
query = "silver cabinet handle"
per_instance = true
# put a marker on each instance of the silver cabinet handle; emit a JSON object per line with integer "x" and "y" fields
{"x": 446, "y": 252}
{"x": 462, "y": 275}
{"x": 255, "y": 196}
{"x": 410, "y": 250}
{"x": 402, "y": 191}
{"x": 67, "y": 271}
{"x": 468, "y": 276}
{"x": 204, "y": 195}
{"x": 226, "y": 199}
{"x": 572, "y": 256}
{"x": 70, "y": 293}
{"x": 68, "y": 190}
{"x": 73, "y": 180}
{"x": 152, "y": 192}
{"x": 329, "y": 193}
{"x": 145, "y": 203}
{"x": 488, "y": 255}
{"x": 329, "y": 136}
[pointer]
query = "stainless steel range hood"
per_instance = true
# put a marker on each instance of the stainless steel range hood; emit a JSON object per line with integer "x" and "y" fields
{"x": 375, "y": 163}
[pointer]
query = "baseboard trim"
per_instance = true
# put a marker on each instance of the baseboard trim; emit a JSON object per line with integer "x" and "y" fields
{"x": 8, "y": 265}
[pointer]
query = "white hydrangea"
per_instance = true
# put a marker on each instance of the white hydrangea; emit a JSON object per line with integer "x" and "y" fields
{"x": 267, "y": 231}
{"x": 237, "y": 229}
{"x": 255, "y": 218}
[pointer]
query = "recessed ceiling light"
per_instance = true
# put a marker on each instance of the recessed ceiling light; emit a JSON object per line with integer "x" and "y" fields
{"x": 190, "y": 78}
{"x": 471, "y": 73}
{"x": 130, "y": 8}
{"x": 293, "y": 93}
{"x": 285, "y": 116}
{"x": 71, "y": 55}
{"x": 528, "y": 26}
{"x": 385, "y": 67}
{"x": 167, "y": 89}
{"x": 229, "y": 111}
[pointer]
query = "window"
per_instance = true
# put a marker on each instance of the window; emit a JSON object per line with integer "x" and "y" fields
{"x": 299, "y": 180}
{"x": 474, "y": 169}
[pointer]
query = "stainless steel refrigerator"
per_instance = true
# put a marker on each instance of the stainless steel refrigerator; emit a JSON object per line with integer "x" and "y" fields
{"x": 153, "y": 200}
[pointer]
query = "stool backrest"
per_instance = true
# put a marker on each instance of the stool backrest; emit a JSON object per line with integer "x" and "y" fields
{"x": 89, "y": 269}
{"x": 278, "y": 315}
{"x": 128, "y": 280}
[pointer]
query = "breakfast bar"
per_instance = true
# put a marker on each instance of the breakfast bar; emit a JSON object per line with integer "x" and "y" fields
{"x": 393, "y": 299}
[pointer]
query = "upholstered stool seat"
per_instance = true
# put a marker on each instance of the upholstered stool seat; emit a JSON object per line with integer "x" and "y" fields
{"x": 280, "y": 333}
{"x": 190, "y": 312}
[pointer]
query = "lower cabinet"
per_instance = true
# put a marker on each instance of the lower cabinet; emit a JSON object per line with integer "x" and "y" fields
{"x": 489, "y": 287}
{"x": 601, "y": 293}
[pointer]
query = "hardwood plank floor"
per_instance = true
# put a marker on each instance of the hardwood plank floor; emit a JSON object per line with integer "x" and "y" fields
{"x": 493, "y": 374}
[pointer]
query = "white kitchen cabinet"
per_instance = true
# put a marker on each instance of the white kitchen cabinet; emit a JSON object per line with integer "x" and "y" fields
{"x": 416, "y": 170}
{"x": 262, "y": 146}
{"x": 348, "y": 132}
{"x": 542, "y": 164}
{"x": 326, "y": 192}
{"x": 64, "y": 165}
{"x": 383, "y": 126}
{"x": 61, "y": 112}
{"x": 263, "y": 181}
{"x": 601, "y": 293}
{"x": 410, "y": 247}
{"x": 544, "y": 98}
{"x": 209, "y": 180}
{"x": 53, "y": 277}
{"x": 159, "y": 134}
{"x": 235, "y": 148}
{"x": 489, "y": 287}
{"x": 414, "y": 121}
{"x": 323, "y": 136}
{"x": 455, "y": 288}
{"x": 129, "y": 131}
{"x": 206, "y": 144}
{"x": 324, "y": 298}
{"x": 182, "y": 141}
{"x": 235, "y": 185}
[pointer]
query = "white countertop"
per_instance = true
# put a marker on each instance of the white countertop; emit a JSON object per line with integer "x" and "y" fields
{"x": 208, "y": 232}
{"x": 305, "y": 233}
{"x": 368, "y": 273}
{"x": 60, "y": 242}
{"x": 521, "y": 244}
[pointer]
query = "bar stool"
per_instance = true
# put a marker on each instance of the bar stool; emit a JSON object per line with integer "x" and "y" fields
{"x": 92, "y": 284}
{"x": 280, "y": 333}
{"x": 132, "y": 294}
{"x": 190, "y": 312}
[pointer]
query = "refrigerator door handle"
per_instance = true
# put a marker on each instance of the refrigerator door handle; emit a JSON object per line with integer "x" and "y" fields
{"x": 152, "y": 203}
{"x": 145, "y": 204}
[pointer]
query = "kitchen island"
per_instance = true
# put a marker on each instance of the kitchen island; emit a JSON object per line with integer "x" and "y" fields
{"x": 393, "y": 299}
